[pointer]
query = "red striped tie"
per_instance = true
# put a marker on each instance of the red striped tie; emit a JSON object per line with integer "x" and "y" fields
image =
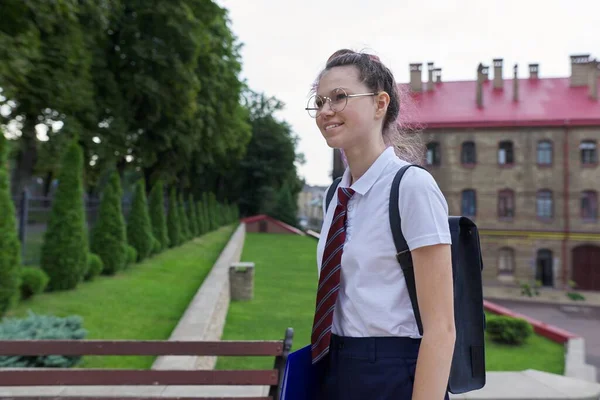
{"x": 329, "y": 281}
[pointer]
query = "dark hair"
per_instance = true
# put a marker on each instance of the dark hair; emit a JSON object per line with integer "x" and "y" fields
{"x": 397, "y": 130}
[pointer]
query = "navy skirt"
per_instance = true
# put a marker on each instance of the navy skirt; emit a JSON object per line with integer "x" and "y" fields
{"x": 373, "y": 368}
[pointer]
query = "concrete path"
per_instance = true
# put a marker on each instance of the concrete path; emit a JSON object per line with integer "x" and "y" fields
{"x": 579, "y": 319}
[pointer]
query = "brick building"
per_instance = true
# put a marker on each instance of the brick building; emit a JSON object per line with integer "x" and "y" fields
{"x": 519, "y": 157}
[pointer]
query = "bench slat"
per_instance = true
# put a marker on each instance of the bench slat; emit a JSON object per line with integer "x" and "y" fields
{"x": 133, "y": 398}
{"x": 85, "y": 377}
{"x": 141, "y": 348}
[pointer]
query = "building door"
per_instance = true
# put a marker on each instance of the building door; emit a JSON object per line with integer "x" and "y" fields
{"x": 586, "y": 267}
{"x": 544, "y": 267}
{"x": 262, "y": 226}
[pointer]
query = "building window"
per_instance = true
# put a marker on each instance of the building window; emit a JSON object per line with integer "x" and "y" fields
{"x": 468, "y": 203}
{"x": 589, "y": 205}
{"x": 506, "y": 204}
{"x": 544, "y": 152}
{"x": 505, "y": 153}
{"x": 588, "y": 152}
{"x": 544, "y": 204}
{"x": 433, "y": 153}
{"x": 506, "y": 262}
{"x": 468, "y": 155}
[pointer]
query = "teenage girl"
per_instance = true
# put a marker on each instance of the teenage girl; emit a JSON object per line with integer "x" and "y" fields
{"x": 365, "y": 336}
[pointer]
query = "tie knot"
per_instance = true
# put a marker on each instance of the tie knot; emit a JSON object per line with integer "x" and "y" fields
{"x": 344, "y": 194}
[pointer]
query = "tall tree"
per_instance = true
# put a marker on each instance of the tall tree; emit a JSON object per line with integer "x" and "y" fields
{"x": 139, "y": 227}
{"x": 157, "y": 215}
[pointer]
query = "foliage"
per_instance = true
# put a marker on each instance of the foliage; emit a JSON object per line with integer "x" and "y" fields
{"x": 184, "y": 222}
{"x": 508, "y": 330}
{"x": 65, "y": 247}
{"x": 132, "y": 255}
{"x": 201, "y": 214}
{"x": 95, "y": 266}
{"x": 139, "y": 226}
{"x": 173, "y": 223}
{"x": 41, "y": 327}
{"x": 33, "y": 281}
{"x": 286, "y": 207}
{"x": 192, "y": 217}
{"x": 109, "y": 233}
{"x": 157, "y": 215}
{"x": 10, "y": 247}
{"x": 572, "y": 294}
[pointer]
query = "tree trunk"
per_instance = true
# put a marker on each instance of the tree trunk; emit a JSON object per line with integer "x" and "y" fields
{"x": 26, "y": 157}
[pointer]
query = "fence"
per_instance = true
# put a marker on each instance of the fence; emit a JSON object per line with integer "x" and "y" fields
{"x": 33, "y": 214}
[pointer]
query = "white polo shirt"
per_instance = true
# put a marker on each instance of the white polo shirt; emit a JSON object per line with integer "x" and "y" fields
{"x": 373, "y": 299}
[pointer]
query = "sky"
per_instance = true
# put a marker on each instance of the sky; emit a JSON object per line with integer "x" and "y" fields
{"x": 286, "y": 43}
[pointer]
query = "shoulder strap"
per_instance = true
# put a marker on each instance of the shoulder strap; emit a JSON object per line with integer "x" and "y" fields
{"x": 402, "y": 252}
{"x": 331, "y": 191}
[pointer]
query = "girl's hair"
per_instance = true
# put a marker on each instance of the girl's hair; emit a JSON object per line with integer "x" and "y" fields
{"x": 399, "y": 130}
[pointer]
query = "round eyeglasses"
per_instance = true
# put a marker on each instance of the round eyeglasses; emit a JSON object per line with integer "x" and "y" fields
{"x": 338, "y": 99}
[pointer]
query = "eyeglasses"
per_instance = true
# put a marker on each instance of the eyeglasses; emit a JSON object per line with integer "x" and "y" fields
{"x": 337, "y": 101}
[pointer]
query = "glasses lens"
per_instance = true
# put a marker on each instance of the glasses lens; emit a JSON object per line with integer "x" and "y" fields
{"x": 339, "y": 99}
{"x": 314, "y": 106}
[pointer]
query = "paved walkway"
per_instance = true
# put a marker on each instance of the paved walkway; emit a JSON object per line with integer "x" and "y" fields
{"x": 580, "y": 319}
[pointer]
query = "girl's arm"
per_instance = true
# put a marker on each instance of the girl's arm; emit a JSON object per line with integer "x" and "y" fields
{"x": 433, "y": 281}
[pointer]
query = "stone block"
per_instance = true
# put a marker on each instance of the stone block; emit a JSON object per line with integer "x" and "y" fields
{"x": 241, "y": 281}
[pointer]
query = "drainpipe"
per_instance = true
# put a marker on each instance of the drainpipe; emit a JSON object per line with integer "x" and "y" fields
{"x": 566, "y": 184}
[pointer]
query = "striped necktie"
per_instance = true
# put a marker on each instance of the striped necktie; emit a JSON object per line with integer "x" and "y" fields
{"x": 329, "y": 281}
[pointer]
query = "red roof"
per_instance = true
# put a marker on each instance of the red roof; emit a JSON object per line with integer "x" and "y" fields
{"x": 542, "y": 102}
{"x": 285, "y": 226}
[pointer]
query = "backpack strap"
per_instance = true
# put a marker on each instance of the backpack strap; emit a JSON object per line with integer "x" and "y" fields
{"x": 403, "y": 254}
{"x": 331, "y": 191}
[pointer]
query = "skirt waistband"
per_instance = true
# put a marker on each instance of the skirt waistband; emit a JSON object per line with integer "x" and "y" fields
{"x": 375, "y": 347}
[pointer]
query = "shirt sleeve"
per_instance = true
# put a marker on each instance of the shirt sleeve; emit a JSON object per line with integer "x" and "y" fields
{"x": 423, "y": 210}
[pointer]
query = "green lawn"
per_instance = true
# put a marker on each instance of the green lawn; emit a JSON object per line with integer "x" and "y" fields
{"x": 285, "y": 284}
{"x": 144, "y": 301}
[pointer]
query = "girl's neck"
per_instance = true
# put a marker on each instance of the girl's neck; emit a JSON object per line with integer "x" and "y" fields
{"x": 361, "y": 157}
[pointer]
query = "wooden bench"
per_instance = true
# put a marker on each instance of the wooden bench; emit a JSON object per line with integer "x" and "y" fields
{"x": 30, "y": 377}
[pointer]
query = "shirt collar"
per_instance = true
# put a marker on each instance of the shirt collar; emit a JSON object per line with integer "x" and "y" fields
{"x": 365, "y": 182}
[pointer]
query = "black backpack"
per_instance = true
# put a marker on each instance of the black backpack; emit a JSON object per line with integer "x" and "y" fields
{"x": 467, "y": 372}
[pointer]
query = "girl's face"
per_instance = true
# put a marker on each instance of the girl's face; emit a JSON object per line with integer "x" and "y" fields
{"x": 349, "y": 126}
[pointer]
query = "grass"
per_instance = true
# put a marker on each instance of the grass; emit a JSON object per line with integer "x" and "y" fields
{"x": 143, "y": 302}
{"x": 284, "y": 295}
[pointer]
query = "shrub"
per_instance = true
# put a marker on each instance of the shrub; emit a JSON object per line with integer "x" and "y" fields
{"x": 65, "y": 247}
{"x": 33, "y": 281}
{"x": 46, "y": 327}
{"x": 132, "y": 254}
{"x": 156, "y": 246}
{"x": 157, "y": 216}
{"x": 95, "y": 266}
{"x": 184, "y": 223}
{"x": 508, "y": 330}
{"x": 173, "y": 225}
{"x": 109, "y": 234}
{"x": 139, "y": 227}
{"x": 200, "y": 213}
{"x": 10, "y": 248}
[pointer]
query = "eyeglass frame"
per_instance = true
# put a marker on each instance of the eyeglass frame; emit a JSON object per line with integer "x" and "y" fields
{"x": 329, "y": 100}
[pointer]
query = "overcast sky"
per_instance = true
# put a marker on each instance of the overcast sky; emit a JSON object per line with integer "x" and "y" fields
{"x": 286, "y": 43}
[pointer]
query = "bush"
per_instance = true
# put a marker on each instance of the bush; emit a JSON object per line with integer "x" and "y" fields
{"x": 65, "y": 247}
{"x": 184, "y": 224}
{"x": 157, "y": 216}
{"x": 156, "y": 246}
{"x": 95, "y": 266}
{"x": 109, "y": 234}
{"x": 173, "y": 224}
{"x": 33, "y": 281}
{"x": 45, "y": 327}
{"x": 192, "y": 217}
{"x": 139, "y": 227}
{"x": 132, "y": 254}
{"x": 508, "y": 330}
{"x": 201, "y": 215}
{"x": 10, "y": 248}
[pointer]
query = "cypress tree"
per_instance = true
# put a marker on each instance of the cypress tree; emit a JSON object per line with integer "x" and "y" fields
{"x": 208, "y": 221}
{"x": 109, "y": 237}
{"x": 157, "y": 215}
{"x": 201, "y": 219}
{"x": 183, "y": 221}
{"x": 65, "y": 247}
{"x": 192, "y": 218}
{"x": 10, "y": 248}
{"x": 139, "y": 227}
{"x": 173, "y": 225}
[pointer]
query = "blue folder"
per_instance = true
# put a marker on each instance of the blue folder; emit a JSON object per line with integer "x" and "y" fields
{"x": 300, "y": 376}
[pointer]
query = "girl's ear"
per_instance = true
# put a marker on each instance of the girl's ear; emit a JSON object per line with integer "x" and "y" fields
{"x": 382, "y": 101}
